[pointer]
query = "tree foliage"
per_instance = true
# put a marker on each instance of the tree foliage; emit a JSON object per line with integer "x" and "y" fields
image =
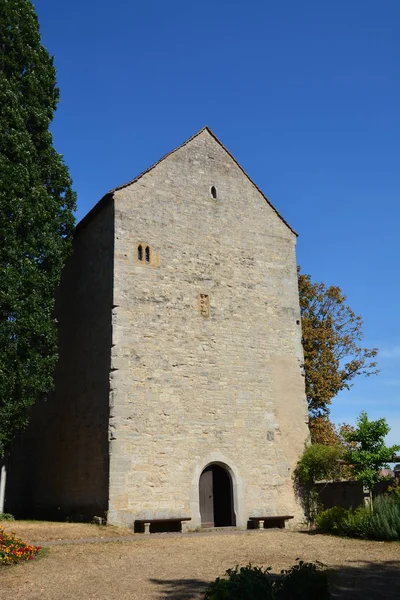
{"x": 367, "y": 453}
{"x": 318, "y": 462}
{"x": 36, "y": 218}
{"x": 332, "y": 334}
{"x": 323, "y": 431}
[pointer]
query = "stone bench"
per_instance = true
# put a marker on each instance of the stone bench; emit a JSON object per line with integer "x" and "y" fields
{"x": 269, "y": 522}
{"x": 162, "y": 524}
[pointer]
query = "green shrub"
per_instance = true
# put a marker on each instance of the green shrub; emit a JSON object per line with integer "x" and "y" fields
{"x": 348, "y": 523}
{"x": 6, "y": 517}
{"x": 331, "y": 520}
{"x": 380, "y": 523}
{"x": 304, "y": 581}
{"x": 357, "y": 523}
{"x": 319, "y": 462}
{"x": 246, "y": 583}
{"x": 385, "y": 519}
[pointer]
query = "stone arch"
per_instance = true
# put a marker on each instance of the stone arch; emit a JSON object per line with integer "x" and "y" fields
{"x": 239, "y": 517}
{"x": 216, "y": 496}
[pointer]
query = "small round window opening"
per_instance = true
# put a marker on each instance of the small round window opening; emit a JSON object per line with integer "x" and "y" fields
{"x": 214, "y": 192}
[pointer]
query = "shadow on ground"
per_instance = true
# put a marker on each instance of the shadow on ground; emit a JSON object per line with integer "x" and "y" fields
{"x": 310, "y": 531}
{"x": 180, "y": 589}
{"x": 359, "y": 581}
{"x": 367, "y": 580}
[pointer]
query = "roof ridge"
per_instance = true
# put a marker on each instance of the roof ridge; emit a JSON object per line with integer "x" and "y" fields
{"x": 249, "y": 178}
{"x": 124, "y": 185}
{"x": 109, "y": 194}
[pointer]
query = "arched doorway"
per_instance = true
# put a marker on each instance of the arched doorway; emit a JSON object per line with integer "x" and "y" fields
{"x": 216, "y": 497}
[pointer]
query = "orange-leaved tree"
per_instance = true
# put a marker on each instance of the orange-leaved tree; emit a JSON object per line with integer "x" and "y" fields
{"x": 333, "y": 355}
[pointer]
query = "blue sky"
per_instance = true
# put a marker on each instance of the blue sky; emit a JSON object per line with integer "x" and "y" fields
{"x": 305, "y": 95}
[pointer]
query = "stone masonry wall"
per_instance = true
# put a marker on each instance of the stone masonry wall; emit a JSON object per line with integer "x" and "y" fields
{"x": 65, "y": 451}
{"x": 188, "y": 390}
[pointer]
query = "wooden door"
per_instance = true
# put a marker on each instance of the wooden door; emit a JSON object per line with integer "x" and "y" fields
{"x": 206, "y": 498}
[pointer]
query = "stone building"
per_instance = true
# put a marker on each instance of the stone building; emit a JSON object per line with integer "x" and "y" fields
{"x": 179, "y": 389}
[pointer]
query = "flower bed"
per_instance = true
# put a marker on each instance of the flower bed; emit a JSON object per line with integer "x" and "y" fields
{"x": 13, "y": 550}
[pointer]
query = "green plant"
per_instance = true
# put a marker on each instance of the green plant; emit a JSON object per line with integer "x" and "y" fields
{"x": 357, "y": 523}
{"x": 381, "y": 522}
{"x": 6, "y": 517}
{"x": 36, "y": 217}
{"x": 367, "y": 453}
{"x": 385, "y": 520}
{"x": 347, "y": 523}
{"x": 317, "y": 462}
{"x": 331, "y": 520}
{"x": 304, "y": 581}
{"x": 244, "y": 583}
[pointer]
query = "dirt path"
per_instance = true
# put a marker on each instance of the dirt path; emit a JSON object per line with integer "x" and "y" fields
{"x": 179, "y": 567}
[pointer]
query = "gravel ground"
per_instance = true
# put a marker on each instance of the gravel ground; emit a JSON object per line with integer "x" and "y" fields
{"x": 179, "y": 567}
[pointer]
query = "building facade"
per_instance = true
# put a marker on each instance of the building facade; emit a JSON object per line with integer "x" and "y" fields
{"x": 179, "y": 390}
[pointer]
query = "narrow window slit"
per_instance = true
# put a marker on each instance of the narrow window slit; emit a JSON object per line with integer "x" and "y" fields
{"x": 147, "y": 253}
{"x": 214, "y": 192}
{"x": 140, "y": 252}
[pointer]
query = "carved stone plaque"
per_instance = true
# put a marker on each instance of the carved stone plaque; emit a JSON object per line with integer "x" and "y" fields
{"x": 204, "y": 305}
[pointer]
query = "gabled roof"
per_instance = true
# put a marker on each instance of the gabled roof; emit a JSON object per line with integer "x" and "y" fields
{"x": 105, "y": 199}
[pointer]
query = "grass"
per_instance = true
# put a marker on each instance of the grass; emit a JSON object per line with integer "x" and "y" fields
{"x": 43, "y": 552}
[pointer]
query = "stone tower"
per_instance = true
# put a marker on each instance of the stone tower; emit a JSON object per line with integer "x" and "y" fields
{"x": 180, "y": 353}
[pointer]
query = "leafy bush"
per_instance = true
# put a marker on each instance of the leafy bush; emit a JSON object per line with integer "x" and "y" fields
{"x": 246, "y": 583}
{"x": 6, "y": 517}
{"x": 385, "y": 519}
{"x": 348, "y": 523}
{"x": 13, "y": 550}
{"x": 304, "y": 581}
{"x": 367, "y": 453}
{"x": 357, "y": 523}
{"x": 331, "y": 520}
{"x": 380, "y": 523}
{"x": 319, "y": 462}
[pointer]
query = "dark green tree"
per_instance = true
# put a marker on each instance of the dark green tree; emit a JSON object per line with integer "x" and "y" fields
{"x": 36, "y": 217}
